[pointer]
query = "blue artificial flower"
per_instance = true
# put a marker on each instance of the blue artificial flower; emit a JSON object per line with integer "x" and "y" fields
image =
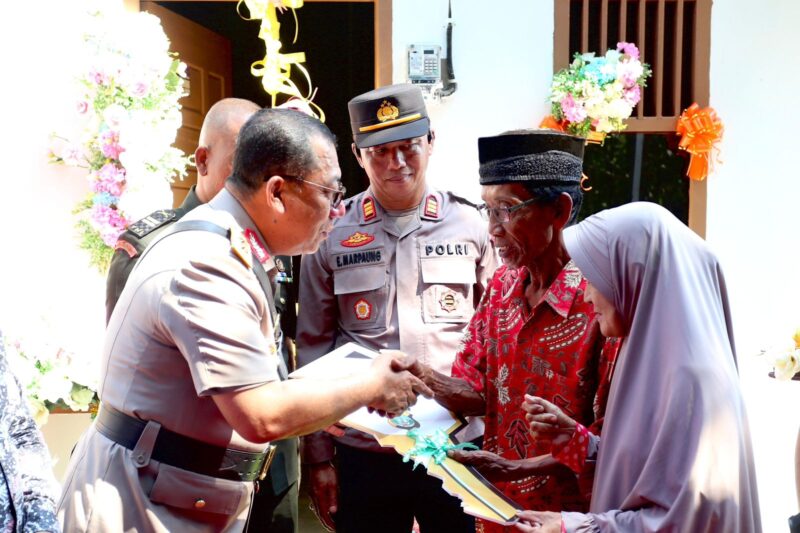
{"x": 104, "y": 198}
{"x": 595, "y": 70}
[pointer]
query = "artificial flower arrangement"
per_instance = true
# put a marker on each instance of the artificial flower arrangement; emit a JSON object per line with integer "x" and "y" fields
{"x": 54, "y": 379}
{"x": 594, "y": 95}
{"x": 129, "y": 116}
{"x": 785, "y": 359}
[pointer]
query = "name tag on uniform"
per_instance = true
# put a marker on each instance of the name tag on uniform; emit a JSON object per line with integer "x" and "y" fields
{"x": 361, "y": 257}
{"x": 448, "y": 248}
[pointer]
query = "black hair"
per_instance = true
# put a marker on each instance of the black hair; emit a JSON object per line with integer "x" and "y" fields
{"x": 276, "y": 142}
{"x": 548, "y": 195}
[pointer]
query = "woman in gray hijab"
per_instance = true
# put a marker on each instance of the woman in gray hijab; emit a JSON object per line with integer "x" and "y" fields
{"x": 675, "y": 454}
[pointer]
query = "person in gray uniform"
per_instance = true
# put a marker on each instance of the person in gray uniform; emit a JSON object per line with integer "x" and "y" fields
{"x": 191, "y": 385}
{"x": 403, "y": 269}
{"x": 275, "y": 504}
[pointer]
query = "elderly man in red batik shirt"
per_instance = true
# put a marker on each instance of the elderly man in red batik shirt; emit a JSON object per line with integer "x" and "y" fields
{"x": 532, "y": 333}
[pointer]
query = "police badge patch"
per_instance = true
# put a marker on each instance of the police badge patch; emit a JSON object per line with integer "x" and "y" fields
{"x": 363, "y": 309}
{"x": 449, "y": 301}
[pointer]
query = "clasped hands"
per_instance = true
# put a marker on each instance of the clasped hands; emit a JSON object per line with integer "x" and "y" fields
{"x": 396, "y": 387}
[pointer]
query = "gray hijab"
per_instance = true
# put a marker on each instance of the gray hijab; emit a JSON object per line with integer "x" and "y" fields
{"x": 675, "y": 453}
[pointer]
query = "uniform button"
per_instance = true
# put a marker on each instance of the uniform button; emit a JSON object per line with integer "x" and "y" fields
{"x": 140, "y": 459}
{"x": 199, "y": 503}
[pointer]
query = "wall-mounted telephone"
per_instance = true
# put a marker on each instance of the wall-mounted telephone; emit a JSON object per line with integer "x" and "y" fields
{"x": 424, "y": 64}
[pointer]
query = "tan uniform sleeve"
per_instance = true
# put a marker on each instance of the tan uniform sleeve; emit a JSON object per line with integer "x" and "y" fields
{"x": 213, "y": 311}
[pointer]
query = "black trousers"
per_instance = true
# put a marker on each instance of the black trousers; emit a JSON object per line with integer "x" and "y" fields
{"x": 274, "y": 513}
{"x": 379, "y": 492}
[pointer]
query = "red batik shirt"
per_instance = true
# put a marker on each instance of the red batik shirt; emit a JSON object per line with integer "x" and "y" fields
{"x": 555, "y": 351}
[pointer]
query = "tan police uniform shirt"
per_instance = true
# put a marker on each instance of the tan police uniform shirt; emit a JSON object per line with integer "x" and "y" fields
{"x": 191, "y": 322}
{"x": 414, "y": 290}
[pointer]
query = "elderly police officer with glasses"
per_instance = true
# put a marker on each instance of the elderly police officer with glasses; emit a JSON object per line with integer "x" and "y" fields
{"x": 403, "y": 269}
{"x": 533, "y": 332}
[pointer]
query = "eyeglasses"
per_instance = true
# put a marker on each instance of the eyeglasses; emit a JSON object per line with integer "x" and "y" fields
{"x": 336, "y": 198}
{"x": 503, "y": 214}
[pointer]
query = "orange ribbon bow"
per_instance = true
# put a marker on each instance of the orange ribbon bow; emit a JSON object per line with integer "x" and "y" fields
{"x": 700, "y": 130}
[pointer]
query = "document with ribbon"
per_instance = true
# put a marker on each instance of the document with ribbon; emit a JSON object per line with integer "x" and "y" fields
{"x": 422, "y": 434}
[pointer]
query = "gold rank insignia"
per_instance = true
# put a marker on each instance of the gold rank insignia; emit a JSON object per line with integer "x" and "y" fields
{"x": 368, "y": 208}
{"x": 387, "y": 111}
{"x": 357, "y": 239}
{"x": 240, "y": 247}
{"x": 432, "y": 207}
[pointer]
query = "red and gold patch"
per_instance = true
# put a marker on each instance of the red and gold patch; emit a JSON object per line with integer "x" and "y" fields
{"x": 357, "y": 239}
{"x": 127, "y": 247}
{"x": 368, "y": 208}
{"x": 431, "y": 206}
{"x": 255, "y": 244}
{"x": 363, "y": 309}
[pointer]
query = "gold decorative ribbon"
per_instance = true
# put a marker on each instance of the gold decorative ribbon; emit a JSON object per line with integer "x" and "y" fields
{"x": 700, "y": 129}
{"x": 275, "y": 69}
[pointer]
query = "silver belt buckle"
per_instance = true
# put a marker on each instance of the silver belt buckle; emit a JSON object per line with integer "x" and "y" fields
{"x": 269, "y": 456}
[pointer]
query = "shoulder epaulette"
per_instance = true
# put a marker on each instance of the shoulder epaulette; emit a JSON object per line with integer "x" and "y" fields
{"x": 461, "y": 200}
{"x": 152, "y": 222}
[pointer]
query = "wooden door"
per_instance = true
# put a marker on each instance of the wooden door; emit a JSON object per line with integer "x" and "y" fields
{"x": 208, "y": 60}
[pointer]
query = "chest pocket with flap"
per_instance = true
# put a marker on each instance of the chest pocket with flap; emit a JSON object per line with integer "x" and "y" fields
{"x": 361, "y": 293}
{"x": 447, "y": 292}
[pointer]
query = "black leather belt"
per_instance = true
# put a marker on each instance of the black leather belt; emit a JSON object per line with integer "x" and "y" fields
{"x": 185, "y": 452}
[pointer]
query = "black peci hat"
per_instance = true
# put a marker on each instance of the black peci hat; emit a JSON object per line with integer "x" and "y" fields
{"x": 388, "y": 114}
{"x": 545, "y": 156}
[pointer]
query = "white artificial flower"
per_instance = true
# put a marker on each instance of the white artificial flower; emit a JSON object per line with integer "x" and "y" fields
{"x": 114, "y": 116}
{"x": 54, "y": 385}
{"x": 139, "y": 202}
{"x": 786, "y": 364}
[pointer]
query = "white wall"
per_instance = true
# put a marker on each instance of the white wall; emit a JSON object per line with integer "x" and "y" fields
{"x": 753, "y": 220}
{"x": 503, "y": 62}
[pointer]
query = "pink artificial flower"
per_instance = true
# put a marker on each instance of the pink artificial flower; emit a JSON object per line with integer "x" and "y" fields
{"x": 110, "y": 179}
{"x": 628, "y": 49}
{"x": 627, "y": 80}
{"x": 632, "y": 95}
{"x": 82, "y": 106}
{"x": 109, "y": 144}
{"x": 573, "y": 111}
{"x": 98, "y": 77}
{"x": 139, "y": 89}
{"x": 109, "y": 222}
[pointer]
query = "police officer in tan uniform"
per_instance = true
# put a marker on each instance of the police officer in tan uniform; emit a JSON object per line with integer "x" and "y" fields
{"x": 191, "y": 388}
{"x": 275, "y": 504}
{"x": 403, "y": 269}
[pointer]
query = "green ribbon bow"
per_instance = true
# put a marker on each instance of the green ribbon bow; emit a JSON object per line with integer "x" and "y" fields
{"x": 432, "y": 446}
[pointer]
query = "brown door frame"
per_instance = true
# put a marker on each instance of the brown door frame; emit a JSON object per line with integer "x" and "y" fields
{"x": 383, "y": 33}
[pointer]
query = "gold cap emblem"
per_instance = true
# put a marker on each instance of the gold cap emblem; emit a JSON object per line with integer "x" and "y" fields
{"x": 387, "y": 111}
